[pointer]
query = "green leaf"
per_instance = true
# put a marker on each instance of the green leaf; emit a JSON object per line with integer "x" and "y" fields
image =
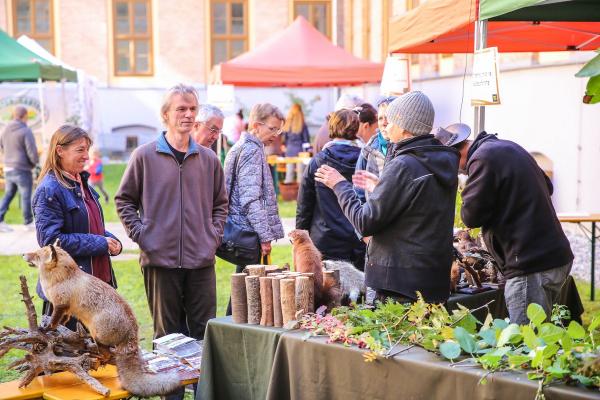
{"x": 536, "y": 314}
{"x": 594, "y": 324}
{"x": 566, "y": 342}
{"x": 591, "y": 68}
{"x": 488, "y": 336}
{"x": 557, "y": 371}
{"x": 469, "y": 322}
{"x": 550, "y": 350}
{"x": 575, "y": 330}
{"x": 450, "y": 350}
{"x": 529, "y": 337}
{"x": 490, "y": 361}
{"x": 488, "y": 321}
{"x": 510, "y": 334}
{"x": 550, "y": 333}
{"x": 515, "y": 361}
{"x": 584, "y": 380}
{"x": 500, "y": 324}
{"x": 466, "y": 341}
{"x": 537, "y": 357}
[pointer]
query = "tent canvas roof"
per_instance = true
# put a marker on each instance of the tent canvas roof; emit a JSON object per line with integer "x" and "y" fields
{"x": 17, "y": 63}
{"x": 298, "y": 56}
{"x": 446, "y": 26}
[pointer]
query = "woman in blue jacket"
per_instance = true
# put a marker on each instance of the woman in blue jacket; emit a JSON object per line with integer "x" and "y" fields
{"x": 318, "y": 210}
{"x": 67, "y": 208}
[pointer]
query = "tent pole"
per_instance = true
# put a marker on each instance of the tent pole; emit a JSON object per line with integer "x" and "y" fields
{"x": 480, "y": 43}
{"x": 42, "y": 111}
{"x": 64, "y": 99}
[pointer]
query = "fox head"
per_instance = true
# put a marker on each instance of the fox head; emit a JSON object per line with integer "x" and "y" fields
{"x": 298, "y": 236}
{"x": 48, "y": 257}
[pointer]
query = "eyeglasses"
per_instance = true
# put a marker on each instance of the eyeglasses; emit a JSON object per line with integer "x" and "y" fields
{"x": 273, "y": 129}
{"x": 214, "y": 130}
{"x": 358, "y": 110}
{"x": 386, "y": 100}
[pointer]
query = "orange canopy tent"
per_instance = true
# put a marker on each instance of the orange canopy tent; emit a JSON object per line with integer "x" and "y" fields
{"x": 447, "y": 26}
{"x": 299, "y": 56}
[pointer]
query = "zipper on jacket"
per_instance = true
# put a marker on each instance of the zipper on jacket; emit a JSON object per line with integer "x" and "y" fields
{"x": 181, "y": 217}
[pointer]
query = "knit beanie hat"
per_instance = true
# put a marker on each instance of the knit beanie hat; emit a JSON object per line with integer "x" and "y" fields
{"x": 413, "y": 112}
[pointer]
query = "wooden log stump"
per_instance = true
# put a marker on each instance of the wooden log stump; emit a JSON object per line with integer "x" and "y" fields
{"x": 288, "y": 299}
{"x": 311, "y": 305}
{"x": 304, "y": 293}
{"x": 253, "y": 299}
{"x": 239, "y": 305}
{"x": 256, "y": 270}
{"x": 277, "y": 315}
{"x": 266, "y": 300}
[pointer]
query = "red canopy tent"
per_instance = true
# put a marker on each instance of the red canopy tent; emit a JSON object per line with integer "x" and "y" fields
{"x": 299, "y": 56}
{"x": 447, "y": 26}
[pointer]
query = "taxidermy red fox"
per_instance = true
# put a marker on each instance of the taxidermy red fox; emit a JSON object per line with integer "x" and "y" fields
{"x": 103, "y": 311}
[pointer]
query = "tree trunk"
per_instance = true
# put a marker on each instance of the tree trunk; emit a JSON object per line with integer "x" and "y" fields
{"x": 277, "y": 315}
{"x": 253, "y": 298}
{"x": 239, "y": 305}
{"x": 266, "y": 300}
{"x": 288, "y": 300}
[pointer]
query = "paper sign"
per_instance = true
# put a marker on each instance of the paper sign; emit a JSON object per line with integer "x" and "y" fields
{"x": 484, "y": 79}
{"x": 222, "y": 96}
{"x": 396, "y": 76}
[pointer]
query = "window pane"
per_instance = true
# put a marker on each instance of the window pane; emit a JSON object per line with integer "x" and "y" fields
{"x": 45, "y": 43}
{"x": 219, "y": 51}
{"x": 237, "y": 18}
{"x": 140, "y": 23}
{"x": 320, "y": 17}
{"x": 219, "y": 15}
{"x": 302, "y": 9}
{"x": 23, "y": 16}
{"x": 122, "y": 17}
{"x": 237, "y": 47}
{"x": 123, "y": 61}
{"x": 142, "y": 56}
{"x": 42, "y": 16}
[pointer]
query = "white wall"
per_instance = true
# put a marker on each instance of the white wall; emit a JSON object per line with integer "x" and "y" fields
{"x": 542, "y": 111}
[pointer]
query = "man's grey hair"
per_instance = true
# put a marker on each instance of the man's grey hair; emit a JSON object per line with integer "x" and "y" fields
{"x": 207, "y": 112}
{"x": 181, "y": 89}
{"x": 19, "y": 112}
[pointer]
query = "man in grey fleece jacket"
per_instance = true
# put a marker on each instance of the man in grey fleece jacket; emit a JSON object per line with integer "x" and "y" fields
{"x": 173, "y": 204}
{"x": 17, "y": 145}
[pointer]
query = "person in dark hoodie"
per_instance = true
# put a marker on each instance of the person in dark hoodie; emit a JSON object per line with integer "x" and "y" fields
{"x": 410, "y": 213}
{"x": 318, "y": 210}
{"x": 508, "y": 195}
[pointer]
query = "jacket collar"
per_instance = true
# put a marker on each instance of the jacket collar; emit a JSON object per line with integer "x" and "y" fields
{"x": 410, "y": 143}
{"x": 163, "y": 147}
{"x": 251, "y": 138}
{"x": 482, "y": 137}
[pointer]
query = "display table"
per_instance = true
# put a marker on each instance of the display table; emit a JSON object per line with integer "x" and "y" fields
{"x": 579, "y": 219}
{"x": 569, "y": 296}
{"x": 66, "y": 386}
{"x": 252, "y": 362}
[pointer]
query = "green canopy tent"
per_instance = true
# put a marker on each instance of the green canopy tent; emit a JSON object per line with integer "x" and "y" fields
{"x": 19, "y": 64}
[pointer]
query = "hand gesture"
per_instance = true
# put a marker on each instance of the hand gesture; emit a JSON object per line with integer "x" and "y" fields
{"x": 365, "y": 180}
{"x": 328, "y": 176}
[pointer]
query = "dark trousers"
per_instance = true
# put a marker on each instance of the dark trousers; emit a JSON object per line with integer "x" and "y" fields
{"x": 22, "y": 181}
{"x": 179, "y": 294}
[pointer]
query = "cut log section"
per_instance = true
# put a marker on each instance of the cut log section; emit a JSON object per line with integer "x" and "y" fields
{"x": 239, "y": 305}
{"x": 266, "y": 300}
{"x": 253, "y": 299}
{"x": 256, "y": 270}
{"x": 277, "y": 315}
{"x": 288, "y": 299}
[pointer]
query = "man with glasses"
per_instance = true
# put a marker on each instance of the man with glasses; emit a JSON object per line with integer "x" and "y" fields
{"x": 208, "y": 125}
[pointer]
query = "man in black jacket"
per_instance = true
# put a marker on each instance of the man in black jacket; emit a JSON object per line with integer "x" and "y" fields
{"x": 410, "y": 213}
{"x": 508, "y": 195}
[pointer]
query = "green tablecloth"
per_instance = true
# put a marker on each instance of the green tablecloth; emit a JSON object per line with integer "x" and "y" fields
{"x": 253, "y": 362}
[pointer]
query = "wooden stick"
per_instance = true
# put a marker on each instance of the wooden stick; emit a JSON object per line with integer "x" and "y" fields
{"x": 304, "y": 291}
{"x": 256, "y": 270}
{"x": 277, "y": 315}
{"x": 266, "y": 300}
{"x": 253, "y": 299}
{"x": 288, "y": 299}
{"x": 239, "y": 305}
{"x": 31, "y": 314}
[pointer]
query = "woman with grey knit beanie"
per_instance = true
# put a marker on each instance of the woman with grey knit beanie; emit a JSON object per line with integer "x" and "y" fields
{"x": 410, "y": 213}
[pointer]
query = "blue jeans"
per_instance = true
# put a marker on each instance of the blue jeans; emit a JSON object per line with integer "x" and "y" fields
{"x": 22, "y": 181}
{"x": 542, "y": 288}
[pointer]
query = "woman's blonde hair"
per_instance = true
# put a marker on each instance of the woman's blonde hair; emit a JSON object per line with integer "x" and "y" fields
{"x": 262, "y": 111}
{"x": 64, "y": 136}
{"x": 295, "y": 119}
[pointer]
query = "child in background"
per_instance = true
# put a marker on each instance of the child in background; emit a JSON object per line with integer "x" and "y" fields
{"x": 95, "y": 168}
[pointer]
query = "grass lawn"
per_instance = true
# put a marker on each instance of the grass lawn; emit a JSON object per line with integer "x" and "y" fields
{"x": 131, "y": 286}
{"x": 112, "y": 178}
